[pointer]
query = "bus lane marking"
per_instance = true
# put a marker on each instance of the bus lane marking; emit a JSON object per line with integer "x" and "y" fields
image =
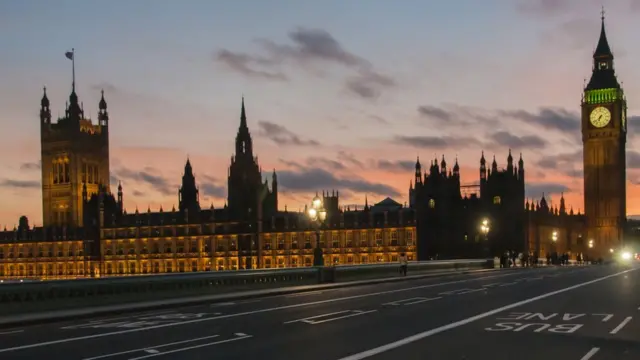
{"x": 621, "y": 325}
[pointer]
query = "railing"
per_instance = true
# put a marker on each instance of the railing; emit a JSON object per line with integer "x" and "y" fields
{"x": 56, "y": 294}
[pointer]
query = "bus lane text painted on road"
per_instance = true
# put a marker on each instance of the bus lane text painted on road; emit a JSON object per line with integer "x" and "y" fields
{"x": 559, "y": 323}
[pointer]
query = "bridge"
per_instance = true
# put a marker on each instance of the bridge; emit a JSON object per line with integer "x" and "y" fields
{"x": 452, "y": 309}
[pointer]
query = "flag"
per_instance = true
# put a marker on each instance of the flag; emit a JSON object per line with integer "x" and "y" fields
{"x": 69, "y": 55}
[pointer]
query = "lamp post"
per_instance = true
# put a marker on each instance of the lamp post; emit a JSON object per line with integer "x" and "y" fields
{"x": 317, "y": 214}
{"x": 484, "y": 229}
{"x": 554, "y": 239}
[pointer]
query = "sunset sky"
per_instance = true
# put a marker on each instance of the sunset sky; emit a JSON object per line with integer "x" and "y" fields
{"x": 340, "y": 94}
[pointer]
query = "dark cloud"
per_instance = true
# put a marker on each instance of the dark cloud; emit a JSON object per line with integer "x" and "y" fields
{"x": 437, "y": 142}
{"x": 30, "y": 166}
{"x": 633, "y": 159}
{"x": 281, "y": 135}
{"x": 137, "y": 192}
{"x": 213, "y": 190}
{"x": 312, "y": 179}
{"x": 21, "y": 184}
{"x": 535, "y": 190}
{"x": 307, "y": 48}
{"x": 547, "y": 118}
{"x": 569, "y": 164}
{"x": 210, "y": 187}
{"x": 506, "y": 139}
{"x": 244, "y": 64}
{"x": 435, "y": 113}
{"x": 633, "y": 125}
{"x": 545, "y": 7}
{"x": 395, "y": 165}
{"x": 290, "y": 163}
{"x": 146, "y": 176}
{"x": 349, "y": 159}
{"x": 106, "y": 86}
{"x": 324, "y": 163}
{"x": 369, "y": 84}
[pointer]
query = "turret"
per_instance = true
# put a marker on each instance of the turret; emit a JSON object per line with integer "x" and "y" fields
{"x": 45, "y": 110}
{"x": 510, "y": 163}
{"x": 483, "y": 168}
{"x": 103, "y": 115}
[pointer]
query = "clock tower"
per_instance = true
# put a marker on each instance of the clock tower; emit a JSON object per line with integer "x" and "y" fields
{"x": 604, "y": 136}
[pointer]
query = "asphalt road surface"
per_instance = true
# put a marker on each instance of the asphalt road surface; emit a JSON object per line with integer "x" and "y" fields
{"x": 570, "y": 313}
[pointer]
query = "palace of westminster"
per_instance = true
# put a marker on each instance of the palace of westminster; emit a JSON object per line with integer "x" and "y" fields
{"x": 87, "y": 231}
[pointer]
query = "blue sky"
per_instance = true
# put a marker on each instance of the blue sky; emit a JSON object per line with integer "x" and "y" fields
{"x": 356, "y": 77}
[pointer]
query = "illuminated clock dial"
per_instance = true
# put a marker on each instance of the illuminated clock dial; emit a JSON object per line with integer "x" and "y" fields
{"x": 600, "y": 117}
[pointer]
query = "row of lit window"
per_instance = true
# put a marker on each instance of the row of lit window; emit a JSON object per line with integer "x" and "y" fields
{"x": 182, "y": 231}
{"x": 42, "y": 252}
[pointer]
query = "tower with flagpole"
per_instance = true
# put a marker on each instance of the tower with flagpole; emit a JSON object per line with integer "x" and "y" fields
{"x": 74, "y": 156}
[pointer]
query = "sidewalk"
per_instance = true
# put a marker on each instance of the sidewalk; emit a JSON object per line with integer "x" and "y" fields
{"x": 58, "y": 315}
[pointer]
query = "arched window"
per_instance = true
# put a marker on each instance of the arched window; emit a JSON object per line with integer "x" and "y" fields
{"x": 432, "y": 203}
{"x": 497, "y": 200}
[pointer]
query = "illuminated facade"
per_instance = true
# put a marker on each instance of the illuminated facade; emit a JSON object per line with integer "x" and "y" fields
{"x": 88, "y": 232}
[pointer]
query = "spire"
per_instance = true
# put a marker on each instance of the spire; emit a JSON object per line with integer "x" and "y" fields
{"x": 603, "y": 49}
{"x": 103, "y": 103}
{"x": 45, "y": 100}
{"x": 243, "y": 115}
{"x": 244, "y": 144}
{"x": 603, "y": 75}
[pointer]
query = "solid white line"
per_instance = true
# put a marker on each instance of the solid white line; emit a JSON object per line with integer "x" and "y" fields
{"x": 356, "y": 313}
{"x": 259, "y": 311}
{"x": 192, "y": 347}
{"x": 428, "y": 333}
{"x": 150, "y": 348}
{"x": 318, "y": 316}
{"x": 423, "y": 300}
{"x": 621, "y": 325}
{"x": 591, "y": 352}
{"x": 11, "y": 332}
{"x": 304, "y": 294}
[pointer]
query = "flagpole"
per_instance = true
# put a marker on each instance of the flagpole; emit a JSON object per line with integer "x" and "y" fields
{"x": 73, "y": 69}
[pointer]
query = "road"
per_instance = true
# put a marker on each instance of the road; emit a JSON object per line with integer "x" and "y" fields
{"x": 571, "y": 313}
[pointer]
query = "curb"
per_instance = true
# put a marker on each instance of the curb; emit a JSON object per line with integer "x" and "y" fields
{"x": 53, "y": 316}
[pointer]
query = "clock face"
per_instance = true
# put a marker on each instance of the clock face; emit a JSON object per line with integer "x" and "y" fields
{"x": 600, "y": 117}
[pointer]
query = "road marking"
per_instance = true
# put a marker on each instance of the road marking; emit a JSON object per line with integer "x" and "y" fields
{"x": 11, "y": 332}
{"x": 423, "y": 300}
{"x": 411, "y": 301}
{"x": 590, "y": 354}
{"x": 317, "y": 316}
{"x": 152, "y": 351}
{"x": 222, "y": 304}
{"x": 245, "y": 313}
{"x": 192, "y": 347}
{"x": 149, "y": 348}
{"x": 355, "y": 313}
{"x": 490, "y": 285}
{"x": 304, "y": 294}
{"x": 621, "y": 325}
{"x": 471, "y": 291}
{"x": 606, "y": 317}
{"x": 248, "y": 301}
{"x": 428, "y": 333}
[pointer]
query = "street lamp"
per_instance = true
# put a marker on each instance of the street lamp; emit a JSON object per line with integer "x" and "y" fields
{"x": 484, "y": 229}
{"x": 317, "y": 214}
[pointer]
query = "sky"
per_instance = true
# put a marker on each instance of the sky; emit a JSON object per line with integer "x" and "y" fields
{"x": 340, "y": 95}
